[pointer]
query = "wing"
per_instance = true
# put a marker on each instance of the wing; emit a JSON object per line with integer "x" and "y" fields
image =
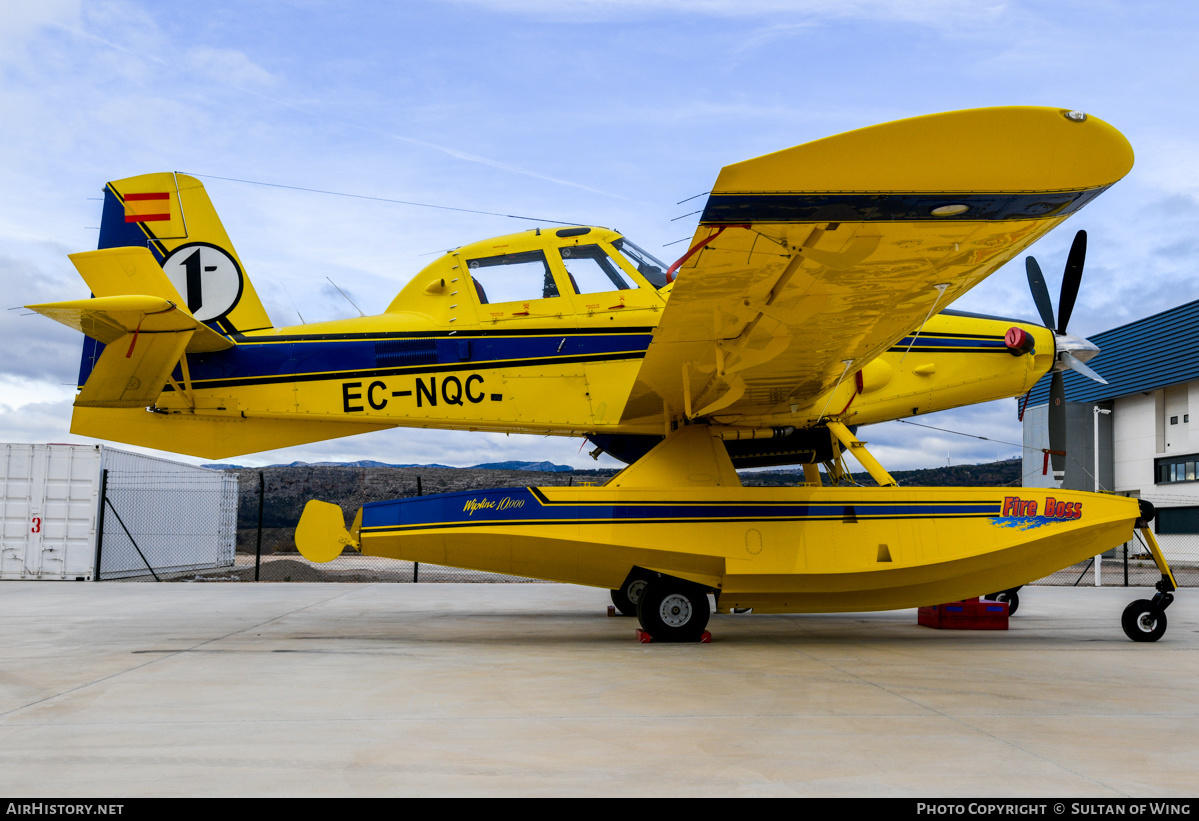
{"x": 810, "y": 262}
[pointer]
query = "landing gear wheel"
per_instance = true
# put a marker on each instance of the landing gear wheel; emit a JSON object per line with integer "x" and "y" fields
{"x": 628, "y": 595}
{"x": 1143, "y": 621}
{"x": 1010, "y": 596}
{"x": 673, "y": 610}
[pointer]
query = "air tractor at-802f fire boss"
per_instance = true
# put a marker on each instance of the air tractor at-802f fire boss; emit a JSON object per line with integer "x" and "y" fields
{"x": 814, "y": 299}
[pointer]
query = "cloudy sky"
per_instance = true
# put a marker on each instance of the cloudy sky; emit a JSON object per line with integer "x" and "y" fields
{"x": 604, "y": 112}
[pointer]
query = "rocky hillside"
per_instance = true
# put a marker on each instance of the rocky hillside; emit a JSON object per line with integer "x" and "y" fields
{"x": 288, "y": 488}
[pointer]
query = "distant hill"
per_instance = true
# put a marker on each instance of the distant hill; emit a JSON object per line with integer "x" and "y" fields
{"x": 986, "y": 474}
{"x": 548, "y": 467}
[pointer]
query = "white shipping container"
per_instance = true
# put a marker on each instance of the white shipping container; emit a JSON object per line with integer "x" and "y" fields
{"x": 167, "y": 515}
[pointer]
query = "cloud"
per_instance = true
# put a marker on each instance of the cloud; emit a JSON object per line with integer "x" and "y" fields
{"x": 504, "y": 166}
{"x": 20, "y": 21}
{"x": 176, "y": 84}
{"x": 228, "y": 67}
{"x": 37, "y": 348}
{"x": 18, "y": 392}
{"x": 37, "y": 422}
{"x": 771, "y": 34}
{"x": 1169, "y": 163}
{"x": 970, "y": 435}
{"x": 929, "y": 12}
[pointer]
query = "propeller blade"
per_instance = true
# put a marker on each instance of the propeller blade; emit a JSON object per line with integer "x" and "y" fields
{"x": 1040, "y": 293}
{"x": 1075, "y": 364}
{"x": 1071, "y": 279}
{"x": 1057, "y": 425}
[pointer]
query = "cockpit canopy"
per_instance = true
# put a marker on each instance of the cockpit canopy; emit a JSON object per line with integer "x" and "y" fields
{"x": 577, "y": 270}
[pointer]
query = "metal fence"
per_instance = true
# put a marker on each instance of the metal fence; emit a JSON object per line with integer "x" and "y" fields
{"x": 147, "y": 536}
{"x": 155, "y": 528}
{"x": 261, "y": 526}
{"x": 1130, "y": 564}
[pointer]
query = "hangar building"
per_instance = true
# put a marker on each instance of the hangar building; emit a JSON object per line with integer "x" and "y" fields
{"x": 1148, "y": 446}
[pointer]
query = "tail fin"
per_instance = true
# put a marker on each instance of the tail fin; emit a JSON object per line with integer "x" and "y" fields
{"x": 171, "y": 215}
{"x": 166, "y": 282}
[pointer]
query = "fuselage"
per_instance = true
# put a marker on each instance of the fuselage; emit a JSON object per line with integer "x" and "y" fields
{"x": 559, "y": 359}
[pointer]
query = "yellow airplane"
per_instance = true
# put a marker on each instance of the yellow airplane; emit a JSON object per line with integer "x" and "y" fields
{"x": 812, "y": 300}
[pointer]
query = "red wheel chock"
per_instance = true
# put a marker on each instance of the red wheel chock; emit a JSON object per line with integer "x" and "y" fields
{"x": 970, "y": 614}
{"x": 646, "y": 638}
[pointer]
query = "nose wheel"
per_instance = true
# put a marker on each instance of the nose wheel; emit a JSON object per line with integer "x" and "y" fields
{"x": 1145, "y": 619}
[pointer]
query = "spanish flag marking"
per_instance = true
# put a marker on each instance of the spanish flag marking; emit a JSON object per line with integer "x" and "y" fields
{"x": 148, "y": 207}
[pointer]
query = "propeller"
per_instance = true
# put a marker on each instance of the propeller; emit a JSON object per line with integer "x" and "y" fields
{"x": 1070, "y": 351}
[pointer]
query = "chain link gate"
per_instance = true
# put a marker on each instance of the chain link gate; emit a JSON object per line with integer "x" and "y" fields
{"x": 156, "y": 528}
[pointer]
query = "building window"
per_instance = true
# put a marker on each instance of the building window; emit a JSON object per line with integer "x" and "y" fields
{"x": 1173, "y": 420}
{"x": 1175, "y": 469}
{"x": 1174, "y": 520}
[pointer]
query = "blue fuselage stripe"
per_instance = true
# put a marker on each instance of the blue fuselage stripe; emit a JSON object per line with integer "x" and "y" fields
{"x": 267, "y": 362}
{"x": 927, "y": 343}
{"x": 528, "y": 506}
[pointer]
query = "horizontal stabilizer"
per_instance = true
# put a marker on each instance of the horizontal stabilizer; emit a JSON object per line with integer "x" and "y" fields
{"x": 134, "y": 270}
{"x": 133, "y": 370}
{"x": 108, "y": 318}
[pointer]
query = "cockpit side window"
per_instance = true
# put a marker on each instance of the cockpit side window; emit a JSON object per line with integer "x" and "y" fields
{"x": 592, "y": 271}
{"x": 512, "y": 277}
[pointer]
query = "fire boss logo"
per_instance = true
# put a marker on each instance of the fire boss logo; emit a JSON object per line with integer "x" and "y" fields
{"x": 1015, "y": 506}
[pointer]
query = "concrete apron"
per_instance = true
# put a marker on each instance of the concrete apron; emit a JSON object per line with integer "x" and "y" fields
{"x": 517, "y": 690}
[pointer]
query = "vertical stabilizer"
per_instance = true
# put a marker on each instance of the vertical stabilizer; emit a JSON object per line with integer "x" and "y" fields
{"x": 171, "y": 215}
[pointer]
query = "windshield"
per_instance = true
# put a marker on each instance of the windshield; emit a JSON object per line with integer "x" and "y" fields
{"x": 592, "y": 271}
{"x": 650, "y": 267}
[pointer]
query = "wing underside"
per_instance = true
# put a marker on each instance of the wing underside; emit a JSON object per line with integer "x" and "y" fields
{"x": 788, "y": 292}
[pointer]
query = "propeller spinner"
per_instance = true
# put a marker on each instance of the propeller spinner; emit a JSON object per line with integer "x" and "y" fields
{"x": 1071, "y": 351}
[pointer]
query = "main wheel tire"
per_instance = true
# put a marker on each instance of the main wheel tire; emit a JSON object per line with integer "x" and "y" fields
{"x": 628, "y": 595}
{"x": 1143, "y": 621}
{"x": 673, "y": 610}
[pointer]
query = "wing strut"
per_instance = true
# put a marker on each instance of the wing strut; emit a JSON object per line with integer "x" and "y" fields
{"x": 670, "y": 272}
{"x": 858, "y": 449}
